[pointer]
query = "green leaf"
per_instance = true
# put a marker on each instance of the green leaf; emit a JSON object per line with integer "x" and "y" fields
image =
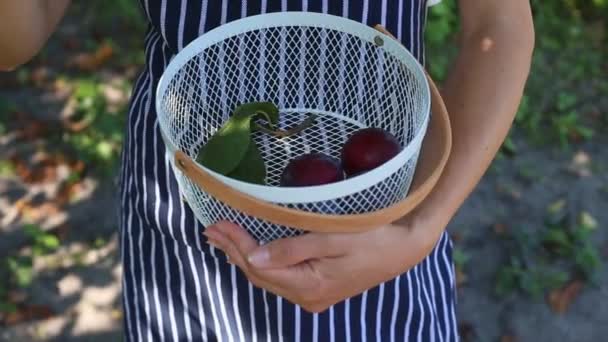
{"x": 99, "y": 242}
{"x": 229, "y": 145}
{"x": 557, "y": 207}
{"x": 580, "y": 234}
{"x": 73, "y": 177}
{"x": 6, "y": 167}
{"x": 532, "y": 283}
{"x": 21, "y": 268}
{"x": 266, "y": 110}
{"x": 506, "y": 280}
{"x": 588, "y": 260}
{"x": 585, "y": 132}
{"x": 86, "y": 89}
{"x": 565, "y": 101}
{"x": 252, "y": 168}
{"x": 7, "y": 307}
{"x": 555, "y": 279}
{"x": 24, "y": 276}
{"x": 49, "y": 241}
{"x": 558, "y": 237}
{"x": 104, "y": 150}
{"x": 6, "y": 108}
{"x": 23, "y": 76}
{"x": 508, "y": 146}
{"x": 460, "y": 257}
{"x": 32, "y": 230}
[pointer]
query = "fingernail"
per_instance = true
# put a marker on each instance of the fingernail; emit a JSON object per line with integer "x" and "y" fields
{"x": 259, "y": 257}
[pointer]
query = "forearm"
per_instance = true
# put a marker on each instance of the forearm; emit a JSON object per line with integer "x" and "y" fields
{"x": 25, "y": 26}
{"x": 482, "y": 93}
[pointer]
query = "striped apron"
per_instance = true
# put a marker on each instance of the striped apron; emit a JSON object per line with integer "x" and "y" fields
{"x": 177, "y": 288}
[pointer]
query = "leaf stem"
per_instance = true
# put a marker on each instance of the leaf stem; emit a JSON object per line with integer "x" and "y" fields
{"x": 287, "y": 133}
{"x": 267, "y": 117}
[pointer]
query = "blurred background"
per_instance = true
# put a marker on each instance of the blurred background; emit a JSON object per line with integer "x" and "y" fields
{"x": 530, "y": 243}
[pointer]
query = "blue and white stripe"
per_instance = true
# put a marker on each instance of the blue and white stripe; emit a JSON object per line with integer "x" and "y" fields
{"x": 176, "y": 288}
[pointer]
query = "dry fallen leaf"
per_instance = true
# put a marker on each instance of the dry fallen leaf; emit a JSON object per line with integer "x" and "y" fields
{"x": 461, "y": 277}
{"x": 43, "y": 171}
{"x": 39, "y": 76}
{"x": 28, "y": 313}
{"x": 21, "y": 168}
{"x": 16, "y": 296}
{"x": 456, "y": 237}
{"x": 78, "y": 167}
{"x": 77, "y": 126}
{"x": 507, "y": 338}
{"x": 68, "y": 191}
{"x": 20, "y": 204}
{"x": 466, "y": 331}
{"x": 92, "y": 61}
{"x": 560, "y": 299}
{"x": 32, "y": 130}
{"x": 500, "y": 228}
{"x": 575, "y": 136}
{"x": 47, "y": 209}
{"x": 509, "y": 190}
{"x": 71, "y": 43}
{"x": 61, "y": 87}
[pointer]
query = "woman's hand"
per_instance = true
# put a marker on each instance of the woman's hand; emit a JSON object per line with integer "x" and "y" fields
{"x": 482, "y": 92}
{"x": 316, "y": 271}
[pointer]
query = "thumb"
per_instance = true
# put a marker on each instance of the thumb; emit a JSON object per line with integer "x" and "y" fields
{"x": 292, "y": 251}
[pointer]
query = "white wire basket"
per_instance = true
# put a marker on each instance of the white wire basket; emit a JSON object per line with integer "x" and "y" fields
{"x": 349, "y": 75}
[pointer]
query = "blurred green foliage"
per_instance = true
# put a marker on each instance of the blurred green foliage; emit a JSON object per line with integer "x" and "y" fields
{"x": 125, "y": 12}
{"x": 564, "y": 96}
{"x": 561, "y": 103}
{"x": 545, "y": 259}
{"x": 562, "y": 100}
{"x": 17, "y": 270}
{"x": 100, "y": 143}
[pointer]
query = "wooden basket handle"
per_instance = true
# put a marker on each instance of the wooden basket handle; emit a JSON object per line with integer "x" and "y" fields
{"x": 434, "y": 154}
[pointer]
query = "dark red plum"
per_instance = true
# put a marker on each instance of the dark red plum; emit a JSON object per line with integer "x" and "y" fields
{"x": 312, "y": 169}
{"x": 367, "y": 149}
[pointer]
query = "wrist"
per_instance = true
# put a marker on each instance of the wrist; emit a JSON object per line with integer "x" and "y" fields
{"x": 434, "y": 211}
{"x": 417, "y": 235}
{"x": 422, "y": 228}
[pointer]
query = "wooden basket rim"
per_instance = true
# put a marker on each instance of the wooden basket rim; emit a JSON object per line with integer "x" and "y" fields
{"x": 433, "y": 157}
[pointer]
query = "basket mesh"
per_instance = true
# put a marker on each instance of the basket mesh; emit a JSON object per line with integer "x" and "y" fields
{"x": 347, "y": 81}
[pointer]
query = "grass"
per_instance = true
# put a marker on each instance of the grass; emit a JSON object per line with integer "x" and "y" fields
{"x": 545, "y": 259}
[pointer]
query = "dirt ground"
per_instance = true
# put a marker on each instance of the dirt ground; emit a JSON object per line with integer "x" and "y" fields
{"x": 80, "y": 281}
